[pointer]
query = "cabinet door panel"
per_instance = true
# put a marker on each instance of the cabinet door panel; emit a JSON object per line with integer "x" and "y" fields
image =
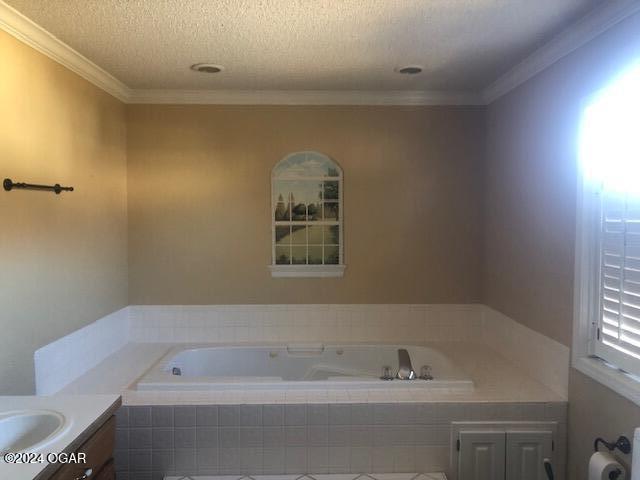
{"x": 526, "y": 451}
{"x": 482, "y": 455}
{"x": 98, "y": 450}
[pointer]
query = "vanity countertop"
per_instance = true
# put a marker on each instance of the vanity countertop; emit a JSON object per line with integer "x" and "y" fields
{"x": 83, "y": 414}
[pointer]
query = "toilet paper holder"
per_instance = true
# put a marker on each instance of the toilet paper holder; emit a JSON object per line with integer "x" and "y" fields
{"x": 623, "y": 444}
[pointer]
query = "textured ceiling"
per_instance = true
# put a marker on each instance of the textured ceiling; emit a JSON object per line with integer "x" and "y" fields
{"x": 305, "y": 44}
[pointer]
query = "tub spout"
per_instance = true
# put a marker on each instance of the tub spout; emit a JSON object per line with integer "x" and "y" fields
{"x": 405, "y": 370}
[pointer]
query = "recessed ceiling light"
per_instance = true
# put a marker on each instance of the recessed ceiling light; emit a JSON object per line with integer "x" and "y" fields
{"x": 409, "y": 69}
{"x": 207, "y": 67}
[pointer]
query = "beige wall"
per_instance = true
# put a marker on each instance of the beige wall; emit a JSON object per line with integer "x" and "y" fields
{"x": 62, "y": 258}
{"x": 199, "y": 202}
{"x": 530, "y": 217}
{"x": 617, "y": 416}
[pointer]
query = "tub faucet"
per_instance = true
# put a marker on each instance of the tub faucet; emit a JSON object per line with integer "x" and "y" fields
{"x": 405, "y": 370}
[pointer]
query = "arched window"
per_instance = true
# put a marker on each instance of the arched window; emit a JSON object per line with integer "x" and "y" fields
{"x": 306, "y": 214}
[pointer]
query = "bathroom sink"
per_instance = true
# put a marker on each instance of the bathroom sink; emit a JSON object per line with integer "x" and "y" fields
{"x": 28, "y": 429}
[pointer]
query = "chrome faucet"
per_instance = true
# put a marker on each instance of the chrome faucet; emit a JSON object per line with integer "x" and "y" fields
{"x": 405, "y": 370}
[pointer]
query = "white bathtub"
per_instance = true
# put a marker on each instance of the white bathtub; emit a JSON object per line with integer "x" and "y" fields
{"x": 297, "y": 366}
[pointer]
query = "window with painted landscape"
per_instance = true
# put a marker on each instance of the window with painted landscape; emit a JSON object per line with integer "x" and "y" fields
{"x": 307, "y": 216}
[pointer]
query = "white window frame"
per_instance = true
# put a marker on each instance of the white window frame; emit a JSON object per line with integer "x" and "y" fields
{"x": 301, "y": 271}
{"x": 587, "y": 295}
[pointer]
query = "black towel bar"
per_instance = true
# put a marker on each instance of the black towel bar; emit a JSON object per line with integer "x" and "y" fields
{"x": 9, "y": 185}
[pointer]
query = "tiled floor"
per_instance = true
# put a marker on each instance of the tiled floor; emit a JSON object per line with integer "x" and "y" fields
{"x": 360, "y": 476}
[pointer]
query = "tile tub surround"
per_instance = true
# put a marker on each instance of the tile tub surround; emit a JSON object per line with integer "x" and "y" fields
{"x": 538, "y": 356}
{"x": 495, "y": 380}
{"x": 64, "y": 360}
{"x": 317, "y": 431}
{"x": 314, "y": 438}
{"x": 61, "y": 363}
{"x": 305, "y": 323}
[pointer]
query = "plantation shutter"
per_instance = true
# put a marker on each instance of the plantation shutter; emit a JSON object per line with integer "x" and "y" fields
{"x": 618, "y": 333}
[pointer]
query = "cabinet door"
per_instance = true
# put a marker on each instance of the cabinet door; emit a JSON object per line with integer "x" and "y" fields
{"x": 482, "y": 455}
{"x": 98, "y": 450}
{"x": 526, "y": 451}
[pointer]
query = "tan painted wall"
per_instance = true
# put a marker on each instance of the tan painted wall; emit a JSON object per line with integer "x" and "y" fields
{"x": 62, "y": 258}
{"x": 199, "y": 202}
{"x": 530, "y": 217}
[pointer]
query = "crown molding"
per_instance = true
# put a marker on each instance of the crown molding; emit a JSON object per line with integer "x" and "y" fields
{"x": 584, "y": 30}
{"x": 25, "y": 30}
{"x": 28, "y": 32}
{"x": 303, "y": 97}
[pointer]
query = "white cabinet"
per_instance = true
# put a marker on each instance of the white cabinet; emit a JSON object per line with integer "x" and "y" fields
{"x": 502, "y": 453}
{"x": 525, "y": 453}
{"x": 481, "y": 455}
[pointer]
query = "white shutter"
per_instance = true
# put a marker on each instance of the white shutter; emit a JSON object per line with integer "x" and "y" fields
{"x": 618, "y": 334}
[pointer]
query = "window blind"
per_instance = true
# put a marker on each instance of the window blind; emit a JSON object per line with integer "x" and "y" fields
{"x": 618, "y": 329}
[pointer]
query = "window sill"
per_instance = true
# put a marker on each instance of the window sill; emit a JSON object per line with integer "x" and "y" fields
{"x": 307, "y": 271}
{"x": 620, "y": 382}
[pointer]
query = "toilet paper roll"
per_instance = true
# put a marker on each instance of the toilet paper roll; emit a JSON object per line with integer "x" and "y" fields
{"x": 602, "y": 465}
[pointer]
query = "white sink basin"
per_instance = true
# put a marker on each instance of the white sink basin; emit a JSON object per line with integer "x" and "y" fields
{"x": 28, "y": 429}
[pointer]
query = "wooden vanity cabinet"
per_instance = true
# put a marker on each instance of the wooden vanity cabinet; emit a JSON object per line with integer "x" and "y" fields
{"x": 108, "y": 472}
{"x": 99, "y": 457}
